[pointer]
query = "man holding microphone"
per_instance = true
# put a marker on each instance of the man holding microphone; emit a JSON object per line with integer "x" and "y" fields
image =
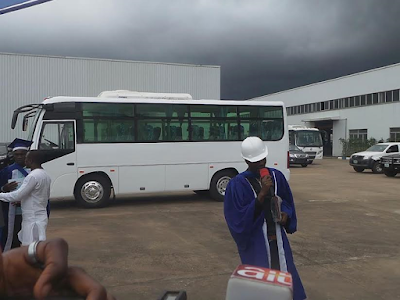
{"x": 259, "y": 210}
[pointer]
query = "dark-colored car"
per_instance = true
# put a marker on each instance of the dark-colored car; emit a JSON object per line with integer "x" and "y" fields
{"x": 5, "y": 155}
{"x": 298, "y": 157}
{"x": 391, "y": 164}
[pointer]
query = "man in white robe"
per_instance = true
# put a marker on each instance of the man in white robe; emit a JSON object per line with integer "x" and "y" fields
{"x": 33, "y": 195}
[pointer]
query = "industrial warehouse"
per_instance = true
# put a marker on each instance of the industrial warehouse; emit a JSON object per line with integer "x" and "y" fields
{"x": 363, "y": 105}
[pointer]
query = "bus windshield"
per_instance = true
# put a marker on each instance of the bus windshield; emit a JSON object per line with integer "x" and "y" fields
{"x": 308, "y": 138}
{"x": 33, "y": 124}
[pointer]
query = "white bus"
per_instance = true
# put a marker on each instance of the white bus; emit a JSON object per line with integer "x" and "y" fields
{"x": 132, "y": 143}
{"x": 308, "y": 140}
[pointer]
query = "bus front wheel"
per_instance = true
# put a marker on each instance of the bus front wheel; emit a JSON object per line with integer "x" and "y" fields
{"x": 93, "y": 191}
{"x": 218, "y": 185}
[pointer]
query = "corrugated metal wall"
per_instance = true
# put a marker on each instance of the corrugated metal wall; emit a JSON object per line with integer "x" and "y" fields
{"x": 26, "y": 79}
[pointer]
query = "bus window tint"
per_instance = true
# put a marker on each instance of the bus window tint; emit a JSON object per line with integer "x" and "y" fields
{"x": 271, "y": 112}
{"x": 212, "y": 111}
{"x": 272, "y": 130}
{"x": 265, "y": 122}
{"x": 246, "y": 112}
{"x": 108, "y": 131}
{"x": 162, "y": 122}
{"x": 153, "y": 130}
{"x": 107, "y": 110}
{"x": 177, "y": 130}
{"x": 235, "y": 131}
{"x": 121, "y": 122}
{"x": 251, "y": 128}
{"x": 161, "y": 111}
{"x": 214, "y": 130}
{"x": 89, "y": 134}
{"x": 214, "y": 123}
{"x": 108, "y": 123}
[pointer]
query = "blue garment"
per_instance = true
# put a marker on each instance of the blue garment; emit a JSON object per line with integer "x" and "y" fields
{"x": 5, "y": 175}
{"x": 249, "y": 232}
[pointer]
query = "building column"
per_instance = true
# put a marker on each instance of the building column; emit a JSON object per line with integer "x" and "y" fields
{"x": 339, "y": 132}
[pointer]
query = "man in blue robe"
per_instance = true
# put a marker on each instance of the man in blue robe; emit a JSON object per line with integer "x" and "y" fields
{"x": 247, "y": 207}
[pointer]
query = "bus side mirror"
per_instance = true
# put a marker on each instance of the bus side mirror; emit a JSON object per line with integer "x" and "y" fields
{"x": 24, "y": 124}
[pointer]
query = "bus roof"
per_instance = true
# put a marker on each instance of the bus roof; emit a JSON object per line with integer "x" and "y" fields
{"x": 301, "y": 127}
{"x": 143, "y": 95}
{"x": 60, "y": 99}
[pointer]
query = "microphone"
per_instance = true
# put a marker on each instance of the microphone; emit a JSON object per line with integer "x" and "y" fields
{"x": 256, "y": 283}
{"x": 264, "y": 172}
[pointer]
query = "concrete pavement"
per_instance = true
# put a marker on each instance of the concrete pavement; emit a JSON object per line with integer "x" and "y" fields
{"x": 347, "y": 245}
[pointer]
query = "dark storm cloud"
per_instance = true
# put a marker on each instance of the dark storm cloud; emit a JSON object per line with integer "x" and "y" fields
{"x": 262, "y": 46}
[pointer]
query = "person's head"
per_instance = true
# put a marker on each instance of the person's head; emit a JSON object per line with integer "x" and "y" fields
{"x": 254, "y": 152}
{"x": 19, "y": 156}
{"x": 19, "y": 149}
{"x": 34, "y": 159}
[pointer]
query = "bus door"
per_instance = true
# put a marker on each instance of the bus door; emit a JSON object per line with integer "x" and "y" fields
{"x": 58, "y": 140}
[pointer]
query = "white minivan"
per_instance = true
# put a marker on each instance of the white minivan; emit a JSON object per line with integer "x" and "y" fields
{"x": 370, "y": 158}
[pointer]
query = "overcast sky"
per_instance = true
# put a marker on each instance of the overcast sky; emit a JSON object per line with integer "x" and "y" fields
{"x": 262, "y": 46}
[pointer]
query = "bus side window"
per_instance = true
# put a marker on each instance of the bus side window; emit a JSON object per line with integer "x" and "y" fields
{"x": 254, "y": 130}
{"x": 156, "y": 133}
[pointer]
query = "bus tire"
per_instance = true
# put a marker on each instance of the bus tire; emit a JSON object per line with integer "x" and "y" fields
{"x": 93, "y": 191}
{"x": 219, "y": 183}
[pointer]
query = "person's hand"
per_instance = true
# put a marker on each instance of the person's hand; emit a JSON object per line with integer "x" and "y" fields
{"x": 18, "y": 278}
{"x": 266, "y": 184}
{"x": 9, "y": 187}
{"x": 284, "y": 218}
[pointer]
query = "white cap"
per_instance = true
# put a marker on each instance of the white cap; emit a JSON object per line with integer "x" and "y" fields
{"x": 254, "y": 149}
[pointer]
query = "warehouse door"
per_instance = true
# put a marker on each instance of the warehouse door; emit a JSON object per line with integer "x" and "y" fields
{"x": 326, "y": 128}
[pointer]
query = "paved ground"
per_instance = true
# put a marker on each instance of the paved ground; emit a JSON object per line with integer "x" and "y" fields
{"x": 347, "y": 246}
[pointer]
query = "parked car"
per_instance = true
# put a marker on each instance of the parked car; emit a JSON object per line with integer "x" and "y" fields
{"x": 5, "y": 155}
{"x": 391, "y": 164}
{"x": 298, "y": 157}
{"x": 370, "y": 158}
